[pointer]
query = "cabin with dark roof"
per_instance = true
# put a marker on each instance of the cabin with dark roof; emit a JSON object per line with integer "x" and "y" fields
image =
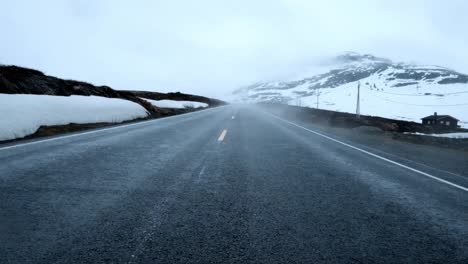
{"x": 440, "y": 121}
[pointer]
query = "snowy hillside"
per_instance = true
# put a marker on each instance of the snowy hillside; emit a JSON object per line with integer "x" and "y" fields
{"x": 388, "y": 89}
{"x": 176, "y": 104}
{"x": 23, "y": 114}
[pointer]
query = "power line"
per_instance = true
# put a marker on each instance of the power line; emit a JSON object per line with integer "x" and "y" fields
{"x": 456, "y": 93}
{"x": 385, "y": 99}
{"x": 405, "y": 94}
{"x": 427, "y": 94}
{"x": 438, "y": 94}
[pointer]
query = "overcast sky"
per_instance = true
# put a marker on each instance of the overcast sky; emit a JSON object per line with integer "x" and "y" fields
{"x": 211, "y": 47}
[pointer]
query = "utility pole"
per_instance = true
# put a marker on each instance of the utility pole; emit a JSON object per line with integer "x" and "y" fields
{"x": 318, "y": 94}
{"x": 298, "y": 101}
{"x": 358, "y": 103}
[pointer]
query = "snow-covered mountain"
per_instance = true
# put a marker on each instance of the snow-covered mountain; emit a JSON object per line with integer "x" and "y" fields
{"x": 388, "y": 89}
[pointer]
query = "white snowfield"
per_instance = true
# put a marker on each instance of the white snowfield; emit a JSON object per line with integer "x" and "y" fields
{"x": 409, "y": 103}
{"x": 22, "y": 115}
{"x": 447, "y": 135}
{"x": 176, "y": 104}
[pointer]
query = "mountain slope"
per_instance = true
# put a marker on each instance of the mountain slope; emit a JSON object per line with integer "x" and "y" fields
{"x": 388, "y": 89}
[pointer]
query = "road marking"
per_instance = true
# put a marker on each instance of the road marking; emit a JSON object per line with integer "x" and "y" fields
{"x": 202, "y": 171}
{"x": 104, "y": 129}
{"x": 375, "y": 155}
{"x": 223, "y": 134}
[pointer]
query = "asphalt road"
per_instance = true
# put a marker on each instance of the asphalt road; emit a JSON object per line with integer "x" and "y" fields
{"x": 232, "y": 184}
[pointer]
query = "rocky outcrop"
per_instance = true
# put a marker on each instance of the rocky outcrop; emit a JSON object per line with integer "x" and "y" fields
{"x": 176, "y": 96}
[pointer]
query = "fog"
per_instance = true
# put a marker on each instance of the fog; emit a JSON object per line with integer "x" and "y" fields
{"x": 212, "y": 47}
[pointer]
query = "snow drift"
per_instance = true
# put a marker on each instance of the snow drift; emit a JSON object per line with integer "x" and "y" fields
{"x": 176, "y": 104}
{"x": 446, "y": 135}
{"x": 22, "y": 115}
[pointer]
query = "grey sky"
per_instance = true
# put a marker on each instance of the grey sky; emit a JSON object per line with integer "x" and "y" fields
{"x": 211, "y": 47}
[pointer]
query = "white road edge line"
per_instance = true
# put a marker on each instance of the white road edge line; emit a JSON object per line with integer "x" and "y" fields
{"x": 223, "y": 134}
{"x": 103, "y": 129}
{"x": 375, "y": 155}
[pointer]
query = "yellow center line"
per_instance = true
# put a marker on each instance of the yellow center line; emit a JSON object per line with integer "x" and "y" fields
{"x": 223, "y": 134}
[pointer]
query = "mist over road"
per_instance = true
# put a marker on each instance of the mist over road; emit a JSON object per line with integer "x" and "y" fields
{"x": 230, "y": 184}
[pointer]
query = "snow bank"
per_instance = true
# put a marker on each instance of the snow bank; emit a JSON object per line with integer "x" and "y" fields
{"x": 176, "y": 104}
{"x": 447, "y": 135}
{"x": 22, "y": 115}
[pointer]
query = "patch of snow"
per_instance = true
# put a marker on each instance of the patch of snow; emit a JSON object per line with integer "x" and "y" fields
{"x": 176, "y": 104}
{"x": 23, "y": 114}
{"x": 425, "y": 67}
{"x": 447, "y": 135}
